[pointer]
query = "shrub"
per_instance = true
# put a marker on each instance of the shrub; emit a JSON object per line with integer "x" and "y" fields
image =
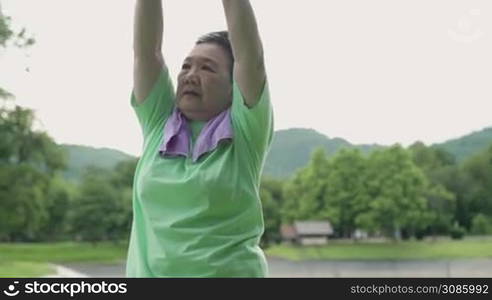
{"x": 481, "y": 224}
{"x": 457, "y": 232}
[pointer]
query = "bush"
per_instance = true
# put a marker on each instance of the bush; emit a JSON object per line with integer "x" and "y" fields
{"x": 457, "y": 232}
{"x": 481, "y": 224}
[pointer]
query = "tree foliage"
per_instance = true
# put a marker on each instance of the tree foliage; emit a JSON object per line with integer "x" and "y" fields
{"x": 28, "y": 162}
{"x": 394, "y": 191}
{"x": 11, "y": 38}
{"x": 304, "y": 194}
{"x": 271, "y": 195}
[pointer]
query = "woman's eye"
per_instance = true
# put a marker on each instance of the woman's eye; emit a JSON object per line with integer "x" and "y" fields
{"x": 207, "y": 68}
{"x": 185, "y": 66}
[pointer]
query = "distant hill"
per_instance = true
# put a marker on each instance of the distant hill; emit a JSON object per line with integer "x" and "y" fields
{"x": 291, "y": 150}
{"x": 81, "y": 157}
{"x": 468, "y": 145}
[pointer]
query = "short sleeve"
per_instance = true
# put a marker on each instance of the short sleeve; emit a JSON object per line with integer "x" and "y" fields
{"x": 157, "y": 106}
{"x": 255, "y": 124}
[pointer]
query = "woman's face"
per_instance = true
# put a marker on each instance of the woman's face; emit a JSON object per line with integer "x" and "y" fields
{"x": 204, "y": 83}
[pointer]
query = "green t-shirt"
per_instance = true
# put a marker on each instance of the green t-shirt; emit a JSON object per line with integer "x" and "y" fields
{"x": 203, "y": 218}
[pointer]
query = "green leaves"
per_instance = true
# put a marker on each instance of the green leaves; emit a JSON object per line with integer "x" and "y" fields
{"x": 5, "y": 32}
{"x": 22, "y": 199}
{"x": 28, "y": 160}
{"x": 102, "y": 210}
{"x": 20, "y": 39}
{"x": 394, "y": 191}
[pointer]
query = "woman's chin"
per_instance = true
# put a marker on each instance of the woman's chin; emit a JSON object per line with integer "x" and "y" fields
{"x": 192, "y": 112}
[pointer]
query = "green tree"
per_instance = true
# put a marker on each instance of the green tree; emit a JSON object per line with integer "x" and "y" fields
{"x": 122, "y": 180}
{"x": 442, "y": 202}
{"x": 97, "y": 210}
{"x": 304, "y": 193}
{"x": 21, "y": 198}
{"x": 396, "y": 188}
{"x": 346, "y": 195}
{"x": 456, "y": 180}
{"x": 481, "y": 224}
{"x": 441, "y": 208}
{"x": 479, "y": 169}
{"x": 124, "y": 172}
{"x": 19, "y": 143}
{"x": 430, "y": 158}
{"x": 8, "y": 38}
{"x": 102, "y": 209}
{"x": 28, "y": 159}
{"x": 271, "y": 195}
{"x": 59, "y": 198}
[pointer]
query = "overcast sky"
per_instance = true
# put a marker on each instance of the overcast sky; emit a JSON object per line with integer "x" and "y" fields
{"x": 368, "y": 71}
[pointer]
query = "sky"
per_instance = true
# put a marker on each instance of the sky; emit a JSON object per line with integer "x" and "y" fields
{"x": 379, "y": 71}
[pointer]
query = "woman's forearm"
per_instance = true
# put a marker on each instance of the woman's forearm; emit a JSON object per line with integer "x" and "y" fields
{"x": 148, "y": 27}
{"x": 243, "y": 31}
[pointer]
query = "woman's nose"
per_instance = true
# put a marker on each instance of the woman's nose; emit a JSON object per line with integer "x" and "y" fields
{"x": 191, "y": 77}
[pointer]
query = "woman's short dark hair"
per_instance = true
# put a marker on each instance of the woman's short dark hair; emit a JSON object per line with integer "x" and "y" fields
{"x": 220, "y": 38}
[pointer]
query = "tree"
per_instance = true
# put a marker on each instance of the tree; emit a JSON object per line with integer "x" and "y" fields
{"x": 479, "y": 169}
{"x": 123, "y": 173}
{"x": 28, "y": 159}
{"x": 59, "y": 199}
{"x": 430, "y": 158}
{"x": 435, "y": 163}
{"x": 21, "y": 198}
{"x": 122, "y": 181}
{"x": 10, "y": 38}
{"x": 457, "y": 181}
{"x": 20, "y": 144}
{"x": 346, "y": 195}
{"x": 441, "y": 208}
{"x": 304, "y": 193}
{"x": 102, "y": 209}
{"x": 271, "y": 196}
{"x": 396, "y": 189}
{"x": 481, "y": 224}
{"x": 97, "y": 210}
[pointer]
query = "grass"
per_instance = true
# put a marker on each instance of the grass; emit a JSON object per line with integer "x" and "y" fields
{"x": 413, "y": 250}
{"x": 63, "y": 252}
{"x": 24, "y": 269}
{"x": 33, "y": 260}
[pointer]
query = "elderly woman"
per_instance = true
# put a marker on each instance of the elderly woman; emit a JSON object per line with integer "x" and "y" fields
{"x": 196, "y": 206}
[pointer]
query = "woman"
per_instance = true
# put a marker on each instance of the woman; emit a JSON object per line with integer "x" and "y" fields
{"x": 196, "y": 205}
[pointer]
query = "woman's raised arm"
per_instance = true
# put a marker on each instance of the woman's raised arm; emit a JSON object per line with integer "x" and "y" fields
{"x": 249, "y": 67}
{"x": 147, "y": 46}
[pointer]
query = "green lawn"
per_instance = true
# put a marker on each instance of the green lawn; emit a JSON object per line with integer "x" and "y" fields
{"x": 24, "y": 269}
{"x": 468, "y": 248}
{"x": 32, "y": 260}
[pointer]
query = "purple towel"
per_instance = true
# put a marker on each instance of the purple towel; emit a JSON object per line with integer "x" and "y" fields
{"x": 177, "y": 135}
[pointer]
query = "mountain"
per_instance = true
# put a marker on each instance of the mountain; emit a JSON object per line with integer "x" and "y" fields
{"x": 80, "y": 157}
{"x": 468, "y": 145}
{"x": 291, "y": 150}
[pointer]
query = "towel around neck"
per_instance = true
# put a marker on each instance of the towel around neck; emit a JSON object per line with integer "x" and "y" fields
{"x": 177, "y": 135}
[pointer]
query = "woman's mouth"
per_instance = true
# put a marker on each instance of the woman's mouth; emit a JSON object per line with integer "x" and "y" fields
{"x": 191, "y": 93}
